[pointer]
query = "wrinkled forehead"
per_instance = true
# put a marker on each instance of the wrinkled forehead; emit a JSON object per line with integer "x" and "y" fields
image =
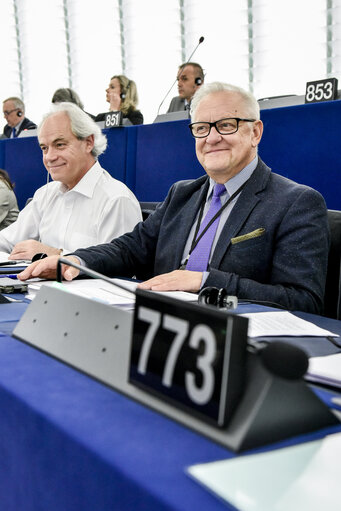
{"x": 187, "y": 71}
{"x": 219, "y": 105}
{"x": 57, "y": 125}
{"x": 8, "y": 105}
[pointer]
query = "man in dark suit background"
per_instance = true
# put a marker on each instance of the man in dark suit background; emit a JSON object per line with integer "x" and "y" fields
{"x": 14, "y": 113}
{"x": 190, "y": 77}
{"x": 270, "y": 243}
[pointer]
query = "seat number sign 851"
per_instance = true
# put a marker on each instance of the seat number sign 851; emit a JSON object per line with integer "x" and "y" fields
{"x": 182, "y": 353}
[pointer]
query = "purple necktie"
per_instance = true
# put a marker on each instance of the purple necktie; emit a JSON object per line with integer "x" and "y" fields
{"x": 198, "y": 260}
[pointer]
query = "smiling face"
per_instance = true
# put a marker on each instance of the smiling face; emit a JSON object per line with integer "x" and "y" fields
{"x": 65, "y": 157}
{"x": 223, "y": 156}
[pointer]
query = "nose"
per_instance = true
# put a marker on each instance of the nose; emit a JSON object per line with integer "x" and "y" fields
{"x": 213, "y": 137}
{"x": 50, "y": 154}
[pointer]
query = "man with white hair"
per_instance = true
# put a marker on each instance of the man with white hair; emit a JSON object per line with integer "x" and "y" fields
{"x": 241, "y": 227}
{"x": 83, "y": 205}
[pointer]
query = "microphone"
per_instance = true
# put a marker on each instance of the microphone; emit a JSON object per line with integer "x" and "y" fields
{"x": 91, "y": 273}
{"x": 201, "y": 39}
{"x": 282, "y": 359}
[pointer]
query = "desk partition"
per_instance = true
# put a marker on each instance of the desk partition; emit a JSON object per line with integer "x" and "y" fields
{"x": 300, "y": 142}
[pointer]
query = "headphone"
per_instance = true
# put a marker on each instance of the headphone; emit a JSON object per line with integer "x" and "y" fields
{"x": 124, "y": 94}
{"x": 19, "y": 113}
{"x": 198, "y": 81}
{"x": 217, "y": 297}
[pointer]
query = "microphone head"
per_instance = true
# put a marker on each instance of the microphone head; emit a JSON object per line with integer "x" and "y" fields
{"x": 285, "y": 360}
{"x": 201, "y": 39}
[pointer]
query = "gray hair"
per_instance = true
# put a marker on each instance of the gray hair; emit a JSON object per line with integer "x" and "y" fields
{"x": 67, "y": 95}
{"x": 251, "y": 104}
{"x": 18, "y": 103}
{"x": 82, "y": 125}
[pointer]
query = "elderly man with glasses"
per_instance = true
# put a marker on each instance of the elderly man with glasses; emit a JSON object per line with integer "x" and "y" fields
{"x": 14, "y": 112}
{"x": 240, "y": 227}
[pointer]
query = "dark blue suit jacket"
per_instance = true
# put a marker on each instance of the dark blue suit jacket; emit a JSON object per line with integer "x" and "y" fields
{"x": 283, "y": 262}
{"x": 25, "y": 125}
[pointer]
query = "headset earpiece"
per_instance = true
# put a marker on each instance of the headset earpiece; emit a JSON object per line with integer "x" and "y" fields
{"x": 198, "y": 81}
{"x": 19, "y": 113}
{"x": 208, "y": 295}
{"x": 217, "y": 297}
{"x": 123, "y": 95}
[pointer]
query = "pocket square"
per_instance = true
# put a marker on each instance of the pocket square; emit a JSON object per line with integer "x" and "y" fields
{"x": 248, "y": 236}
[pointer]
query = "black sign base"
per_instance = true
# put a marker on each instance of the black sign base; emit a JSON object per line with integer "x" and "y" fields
{"x": 273, "y": 409}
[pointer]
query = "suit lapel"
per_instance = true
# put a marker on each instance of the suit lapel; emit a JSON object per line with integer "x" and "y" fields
{"x": 241, "y": 210}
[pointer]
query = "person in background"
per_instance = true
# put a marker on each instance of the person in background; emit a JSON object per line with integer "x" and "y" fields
{"x": 84, "y": 204}
{"x": 14, "y": 113}
{"x": 68, "y": 95}
{"x": 240, "y": 227}
{"x": 121, "y": 95}
{"x": 8, "y": 202}
{"x": 190, "y": 78}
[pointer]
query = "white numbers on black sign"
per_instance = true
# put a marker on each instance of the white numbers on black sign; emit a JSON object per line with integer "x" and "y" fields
{"x": 112, "y": 119}
{"x": 181, "y": 328}
{"x": 322, "y": 90}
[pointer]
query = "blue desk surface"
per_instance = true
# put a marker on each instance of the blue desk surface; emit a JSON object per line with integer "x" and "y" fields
{"x": 68, "y": 442}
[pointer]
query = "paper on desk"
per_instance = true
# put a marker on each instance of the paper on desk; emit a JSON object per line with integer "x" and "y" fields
{"x": 326, "y": 370}
{"x": 282, "y": 323}
{"x": 4, "y": 259}
{"x": 304, "y": 477}
{"x": 97, "y": 289}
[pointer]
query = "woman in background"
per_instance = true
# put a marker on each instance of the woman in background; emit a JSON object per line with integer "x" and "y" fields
{"x": 8, "y": 203}
{"x": 122, "y": 96}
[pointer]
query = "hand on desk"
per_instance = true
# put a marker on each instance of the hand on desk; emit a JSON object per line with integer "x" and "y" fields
{"x": 28, "y": 248}
{"x": 47, "y": 269}
{"x": 177, "y": 280}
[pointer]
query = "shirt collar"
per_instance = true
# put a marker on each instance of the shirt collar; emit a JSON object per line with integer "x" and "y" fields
{"x": 238, "y": 180}
{"x": 86, "y": 185}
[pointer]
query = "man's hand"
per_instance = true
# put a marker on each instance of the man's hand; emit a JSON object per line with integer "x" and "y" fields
{"x": 47, "y": 269}
{"x": 28, "y": 248}
{"x": 178, "y": 280}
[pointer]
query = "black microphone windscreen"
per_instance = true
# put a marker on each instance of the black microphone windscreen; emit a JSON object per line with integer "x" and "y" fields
{"x": 201, "y": 39}
{"x": 285, "y": 360}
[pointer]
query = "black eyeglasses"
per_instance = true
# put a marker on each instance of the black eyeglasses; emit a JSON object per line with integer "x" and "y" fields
{"x": 7, "y": 112}
{"x": 223, "y": 126}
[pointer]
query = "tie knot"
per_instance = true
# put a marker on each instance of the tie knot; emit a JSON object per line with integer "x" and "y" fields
{"x": 218, "y": 190}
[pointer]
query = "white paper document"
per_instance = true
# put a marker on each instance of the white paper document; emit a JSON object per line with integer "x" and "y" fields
{"x": 100, "y": 290}
{"x": 282, "y": 323}
{"x": 304, "y": 477}
{"x": 325, "y": 370}
{"x": 4, "y": 259}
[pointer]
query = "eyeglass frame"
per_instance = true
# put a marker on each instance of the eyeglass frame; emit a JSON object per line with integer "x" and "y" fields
{"x": 214, "y": 124}
{"x": 9, "y": 112}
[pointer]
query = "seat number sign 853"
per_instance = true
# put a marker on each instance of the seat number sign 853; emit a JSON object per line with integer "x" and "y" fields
{"x": 182, "y": 352}
{"x": 321, "y": 90}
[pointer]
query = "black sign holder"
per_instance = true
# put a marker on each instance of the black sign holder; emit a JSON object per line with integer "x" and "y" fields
{"x": 96, "y": 339}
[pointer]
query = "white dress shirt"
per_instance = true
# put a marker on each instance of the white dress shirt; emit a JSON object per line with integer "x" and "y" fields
{"x": 98, "y": 209}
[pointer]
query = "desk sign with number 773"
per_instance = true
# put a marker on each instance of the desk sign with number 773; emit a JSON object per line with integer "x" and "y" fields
{"x": 191, "y": 355}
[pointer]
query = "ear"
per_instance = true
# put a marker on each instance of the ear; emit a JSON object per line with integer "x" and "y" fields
{"x": 257, "y": 132}
{"x": 90, "y": 142}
